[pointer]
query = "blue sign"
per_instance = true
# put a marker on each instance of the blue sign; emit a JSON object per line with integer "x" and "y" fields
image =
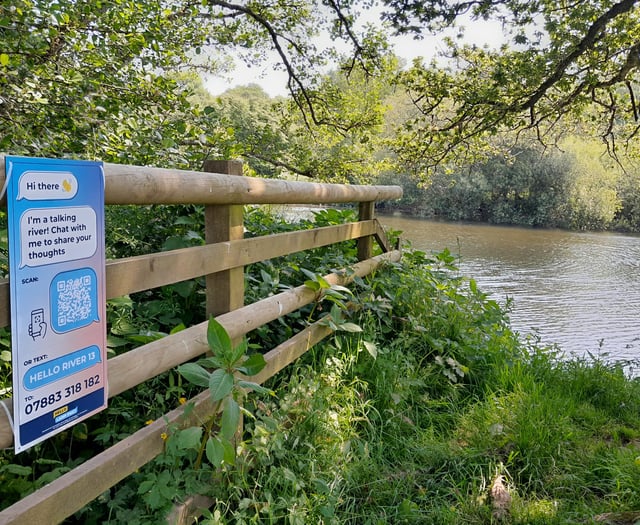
{"x": 57, "y": 268}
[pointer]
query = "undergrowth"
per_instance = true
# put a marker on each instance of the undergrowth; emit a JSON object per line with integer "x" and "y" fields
{"x": 407, "y": 419}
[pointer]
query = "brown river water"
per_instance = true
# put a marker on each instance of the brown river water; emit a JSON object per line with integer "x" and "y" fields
{"x": 578, "y": 290}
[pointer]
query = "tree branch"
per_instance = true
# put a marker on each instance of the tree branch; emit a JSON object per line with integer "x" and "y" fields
{"x": 593, "y": 34}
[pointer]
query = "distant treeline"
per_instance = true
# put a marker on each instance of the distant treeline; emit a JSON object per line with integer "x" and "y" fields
{"x": 576, "y": 188}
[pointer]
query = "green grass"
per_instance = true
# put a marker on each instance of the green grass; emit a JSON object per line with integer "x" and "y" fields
{"x": 353, "y": 440}
{"x": 415, "y": 435}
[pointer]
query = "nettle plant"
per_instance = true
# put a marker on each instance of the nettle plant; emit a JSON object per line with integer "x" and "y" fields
{"x": 222, "y": 373}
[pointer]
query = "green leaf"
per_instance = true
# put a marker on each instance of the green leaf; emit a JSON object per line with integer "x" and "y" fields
{"x": 189, "y": 438}
{"x": 17, "y": 470}
{"x": 81, "y": 432}
{"x": 218, "y": 339}
{"x": 122, "y": 301}
{"x": 336, "y": 313}
{"x": 214, "y": 451}
{"x": 177, "y": 328}
{"x": 349, "y": 327}
{"x": 47, "y": 461}
{"x": 371, "y": 348}
{"x": 185, "y": 219}
{"x": 313, "y": 285}
{"x": 184, "y": 288}
{"x": 327, "y": 321}
{"x": 249, "y": 385}
{"x": 211, "y": 362}
{"x": 230, "y": 418}
{"x": 195, "y": 374}
{"x": 253, "y": 365}
{"x": 147, "y": 337}
{"x": 323, "y": 282}
{"x": 340, "y": 288}
{"x": 238, "y": 352}
{"x": 312, "y": 276}
{"x": 4, "y": 59}
{"x": 331, "y": 292}
{"x": 5, "y": 355}
{"x": 229, "y": 452}
{"x": 113, "y": 342}
{"x": 220, "y": 384}
{"x": 146, "y": 485}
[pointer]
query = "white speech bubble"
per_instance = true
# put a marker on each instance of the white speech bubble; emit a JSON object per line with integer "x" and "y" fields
{"x": 53, "y": 235}
{"x": 47, "y": 185}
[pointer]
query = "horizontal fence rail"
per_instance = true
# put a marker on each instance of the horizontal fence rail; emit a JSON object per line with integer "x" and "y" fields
{"x": 222, "y": 261}
{"x": 147, "y": 185}
{"x": 134, "y": 274}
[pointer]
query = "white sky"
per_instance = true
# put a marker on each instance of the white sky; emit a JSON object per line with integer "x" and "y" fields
{"x": 273, "y": 81}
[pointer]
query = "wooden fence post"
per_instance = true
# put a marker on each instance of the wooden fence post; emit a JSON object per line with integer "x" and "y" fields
{"x": 224, "y": 222}
{"x": 366, "y": 212}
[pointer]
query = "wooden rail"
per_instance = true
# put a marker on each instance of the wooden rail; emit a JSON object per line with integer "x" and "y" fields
{"x": 147, "y": 185}
{"x": 222, "y": 261}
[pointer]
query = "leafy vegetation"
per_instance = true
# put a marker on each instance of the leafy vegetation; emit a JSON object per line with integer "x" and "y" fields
{"x": 113, "y": 81}
{"x": 424, "y": 395}
{"x": 577, "y": 188}
{"x": 408, "y": 414}
{"x": 562, "y": 67}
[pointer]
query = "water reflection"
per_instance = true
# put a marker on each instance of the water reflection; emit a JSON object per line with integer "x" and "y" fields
{"x": 574, "y": 289}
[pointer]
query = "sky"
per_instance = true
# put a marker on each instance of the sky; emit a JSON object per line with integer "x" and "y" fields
{"x": 273, "y": 81}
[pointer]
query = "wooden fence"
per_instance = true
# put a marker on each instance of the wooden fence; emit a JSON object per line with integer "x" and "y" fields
{"x": 223, "y": 192}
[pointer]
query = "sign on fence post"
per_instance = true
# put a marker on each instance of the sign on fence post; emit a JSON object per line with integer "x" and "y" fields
{"x": 56, "y": 270}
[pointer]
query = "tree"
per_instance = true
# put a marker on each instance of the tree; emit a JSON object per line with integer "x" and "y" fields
{"x": 90, "y": 78}
{"x": 103, "y": 79}
{"x": 568, "y": 64}
{"x": 353, "y": 150}
{"x": 255, "y": 123}
{"x": 593, "y": 198}
{"x": 275, "y": 140}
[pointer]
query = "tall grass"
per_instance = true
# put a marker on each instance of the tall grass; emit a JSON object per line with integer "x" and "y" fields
{"x": 452, "y": 399}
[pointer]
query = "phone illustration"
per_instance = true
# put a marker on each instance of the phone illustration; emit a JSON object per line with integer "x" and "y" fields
{"x": 37, "y": 327}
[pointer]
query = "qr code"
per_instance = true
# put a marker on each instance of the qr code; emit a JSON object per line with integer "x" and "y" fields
{"x": 74, "y": 300}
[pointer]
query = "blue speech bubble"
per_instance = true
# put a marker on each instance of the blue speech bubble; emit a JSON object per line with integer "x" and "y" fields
{"x": 74, "y": 299}
{"x": 45, "y": 373}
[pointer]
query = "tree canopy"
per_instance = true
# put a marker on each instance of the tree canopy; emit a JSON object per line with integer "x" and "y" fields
{"x": 568, "y": 64}
{"x": 104, "y": 78}
{"x": 107, "y": 78}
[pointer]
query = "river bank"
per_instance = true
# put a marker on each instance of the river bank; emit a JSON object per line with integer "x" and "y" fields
{"x": 580, "y": 290}
{"x": 414, "y": 419}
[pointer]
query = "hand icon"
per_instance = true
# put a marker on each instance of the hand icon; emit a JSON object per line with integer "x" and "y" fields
{"x": 40, "y": 330}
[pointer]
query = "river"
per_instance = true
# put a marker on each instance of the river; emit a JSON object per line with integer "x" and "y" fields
{"x": 579, "y": 290}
